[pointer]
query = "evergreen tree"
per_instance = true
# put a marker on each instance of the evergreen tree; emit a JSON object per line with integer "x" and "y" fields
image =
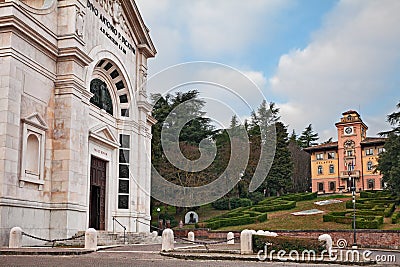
{"x": 279, "y": 179}
{"x": 389, "y": 161}
{"x": 189, "y": 137}
{"x": 308, "y": 137}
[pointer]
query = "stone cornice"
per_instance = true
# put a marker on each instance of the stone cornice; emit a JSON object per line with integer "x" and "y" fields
{"x": 75, "y": 54}
{"x": 145, "y": 44}
{"x": 23, "y": 30}
{"x": 18, "y": 55}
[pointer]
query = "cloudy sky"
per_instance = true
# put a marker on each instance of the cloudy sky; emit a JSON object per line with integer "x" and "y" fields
{"x": 315, "y": 59}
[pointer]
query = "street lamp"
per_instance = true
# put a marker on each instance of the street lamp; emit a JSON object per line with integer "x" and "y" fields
{"x": 353, "y": 190}
{"x": 158, "y": 217}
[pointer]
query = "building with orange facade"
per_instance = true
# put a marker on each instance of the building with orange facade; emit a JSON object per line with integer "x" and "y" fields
{"x": 354, "y": 156}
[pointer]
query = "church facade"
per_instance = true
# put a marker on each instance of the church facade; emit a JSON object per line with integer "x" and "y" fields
{"x": 75, "y": 123}
{"x": 350, "y": 161}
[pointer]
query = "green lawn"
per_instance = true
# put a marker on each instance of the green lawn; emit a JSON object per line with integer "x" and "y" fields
{"x": 284, "y": 220}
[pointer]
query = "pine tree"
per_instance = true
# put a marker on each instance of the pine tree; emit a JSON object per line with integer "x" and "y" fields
{"x": 308, "y": 137}
{"x": 279, "y": 179}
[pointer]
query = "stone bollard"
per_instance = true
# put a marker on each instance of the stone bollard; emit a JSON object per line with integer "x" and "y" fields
{"x": 167, "y": 240}
{"x": 15, "y": 238}
{"x": 246, "y": 242}
{"x": 230, "y": 238}
{"x": 154, "y": 234}
{"x": 191, "y": 236}
{"x": 328, "y": 242}
{"x": 91, "y": 239}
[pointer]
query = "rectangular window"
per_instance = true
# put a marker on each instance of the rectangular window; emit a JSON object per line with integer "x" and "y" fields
{"x": 320, "y": 156}
{"x": 371, "y": 183}
{"x": 349, "y": 153}
{"x": 369, "y": 151}
{"x": 381, "y": 150}
{"x": 331, "y": 155}
{"x": 123, "y": 171}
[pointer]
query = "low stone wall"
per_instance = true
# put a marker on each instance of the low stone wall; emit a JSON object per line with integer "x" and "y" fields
{"x": 366, "y": 238}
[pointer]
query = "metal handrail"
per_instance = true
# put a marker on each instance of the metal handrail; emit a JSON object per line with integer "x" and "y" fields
{"x": 123, "y": 226}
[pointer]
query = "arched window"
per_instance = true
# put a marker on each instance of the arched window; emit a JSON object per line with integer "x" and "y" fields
{"x": 369, "y": 165}
{"x": 331, "y": 169}
{"x": 101, "y": 97}
{"x": 32, "y": 155}
{"x": 319, "y": 169}
{"x": 332, "y": 186}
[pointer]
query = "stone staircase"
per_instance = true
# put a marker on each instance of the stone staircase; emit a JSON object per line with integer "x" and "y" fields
{"x": 105, "y": 238}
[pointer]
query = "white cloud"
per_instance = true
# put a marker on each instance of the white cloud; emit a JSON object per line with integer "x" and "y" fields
{"x": 206, "y": 29}
{"x": 349, "y": 62}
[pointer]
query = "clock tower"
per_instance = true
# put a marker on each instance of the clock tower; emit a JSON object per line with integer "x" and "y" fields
{"x": 351, "y": 132}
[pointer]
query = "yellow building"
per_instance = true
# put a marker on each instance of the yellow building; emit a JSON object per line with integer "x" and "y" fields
{"x": 354, "y": 155}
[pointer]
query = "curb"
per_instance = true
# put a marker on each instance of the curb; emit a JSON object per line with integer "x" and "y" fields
{"x": 233, "y": 257}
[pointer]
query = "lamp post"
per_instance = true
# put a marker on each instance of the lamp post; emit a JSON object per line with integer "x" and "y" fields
{"x": 158, "y": 217}
{"x": 353, "y": 190}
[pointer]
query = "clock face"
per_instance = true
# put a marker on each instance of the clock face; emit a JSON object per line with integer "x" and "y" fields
{"x": 348, "y": 130}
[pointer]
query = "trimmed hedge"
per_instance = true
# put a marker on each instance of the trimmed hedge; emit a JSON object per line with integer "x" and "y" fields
{"x": 371, "y": 208}
{"x": 223, "y": 203}
{"x": 396, "y": 217}
{"x": 374, "y": 194}
{"x": 246, "y": 218}
{"x": 369, "y": 222}
{"x": 287, "y": 243}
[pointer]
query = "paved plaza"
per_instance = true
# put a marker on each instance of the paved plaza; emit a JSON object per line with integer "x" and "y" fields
{"x": 146, "y": 255}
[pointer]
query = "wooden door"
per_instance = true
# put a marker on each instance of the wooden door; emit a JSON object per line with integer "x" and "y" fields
{"x": 97, "y": 194}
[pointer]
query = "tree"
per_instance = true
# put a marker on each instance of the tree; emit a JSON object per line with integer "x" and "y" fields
{"x": 393, "y": 119}
{"x": 301, "y": 177}
{"x": 308, "y": 137}
{"x": 169, "y": 119}
{"x": 279, "y": 179}
{"x": 389, "y": 161}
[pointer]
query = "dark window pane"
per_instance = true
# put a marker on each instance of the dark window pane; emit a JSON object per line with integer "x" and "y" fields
{"x": 123, "y": 202}
{"x": 100, "y": 63}
{"x": 124, "y": 140}
{"x": 123, "y": 186}
{"x": 101, "y": 96}
{"x": 114, "y": 74}
{"x": 120, "y": 85}
{"x": 108, "y": 66}
{"x": 123, "y": 156}
{"x": 125, "y": 112}
{"x": 123, "y": 99}
{"x": 123, "y": 171}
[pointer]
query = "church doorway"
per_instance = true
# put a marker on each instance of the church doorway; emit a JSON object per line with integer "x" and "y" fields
{"x": 97, "y": 193}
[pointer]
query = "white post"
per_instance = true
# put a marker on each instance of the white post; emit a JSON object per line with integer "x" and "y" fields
{"x": 246, "y": 242}
{"x": 91, "y": 239}
{"x": 154, "y": 234}
{"x": 191, "y": 236}
{"x": 230, "y": 238}
{"x": 167, "y": 240}
{"x": 15, "y": 238}
{"x": 328, "y": 242}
